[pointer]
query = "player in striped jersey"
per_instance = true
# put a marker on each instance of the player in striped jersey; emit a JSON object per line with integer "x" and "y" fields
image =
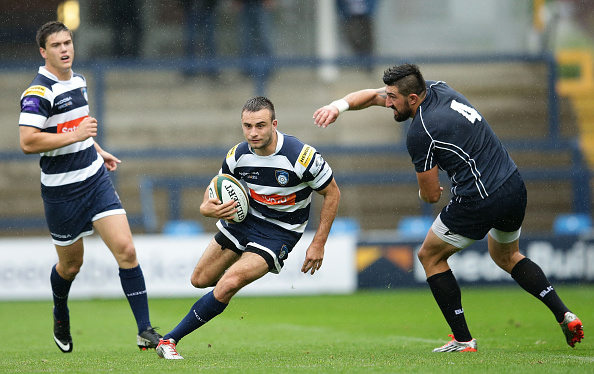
{"x": 77, "y": 192}
{"x": 281, "y": 173}
{"x": 489, "y": 195}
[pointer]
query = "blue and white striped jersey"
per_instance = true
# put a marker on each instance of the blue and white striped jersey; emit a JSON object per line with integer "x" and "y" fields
{"x": 449, "y": 132}
{"x": 56, "y": 106}
{"x": 280, "y": 185}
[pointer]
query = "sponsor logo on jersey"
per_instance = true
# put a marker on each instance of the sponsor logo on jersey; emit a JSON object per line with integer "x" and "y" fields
{"x": 274, "y": 199}
{"x": 65, "y": 102}
{"x": 305, "y": 156}
{"x": 232, "y": 151}
{"x": 30, "y": 104}
{"x": 84, "y": 92}
{"x": 282, "y": 177}
{"x": 249, "y": 175}
{"x": 35, "y": 90}
{"x": 70, "y": 125}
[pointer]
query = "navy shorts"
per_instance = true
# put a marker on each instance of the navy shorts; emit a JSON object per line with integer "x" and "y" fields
{"x": 503, "y": 210}
{"x": 72, "y": 219}
{"x": 258, "y": 236}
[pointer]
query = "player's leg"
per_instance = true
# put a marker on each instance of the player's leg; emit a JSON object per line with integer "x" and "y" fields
{"x": 70, "y": 259}
{"x": 433, "y": 255}
{"x": 115, "y": 232}
{"x": 504, "y": 250}
{"x": 217, "y": 258}
{"x": 244, "y": 271}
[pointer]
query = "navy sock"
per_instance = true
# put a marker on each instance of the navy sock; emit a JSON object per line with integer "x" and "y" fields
{"x": 532, "y": 279}
{"x": 205, "y": 309}
{"x": 446, "y": 292}
{"x": 133, "y": 285}
{"x": 60, "y": 290}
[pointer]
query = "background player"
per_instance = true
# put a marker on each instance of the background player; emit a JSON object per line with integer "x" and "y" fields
{"x": 489, "y": 195}
{"x": 281, "y": 173}
{"x": 77, "y": 193}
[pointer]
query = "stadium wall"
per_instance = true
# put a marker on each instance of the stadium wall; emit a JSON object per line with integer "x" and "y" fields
{"x": 350, "y": 264}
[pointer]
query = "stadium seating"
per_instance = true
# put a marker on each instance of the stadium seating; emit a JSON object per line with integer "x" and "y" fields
{"x": 572, "y": 224}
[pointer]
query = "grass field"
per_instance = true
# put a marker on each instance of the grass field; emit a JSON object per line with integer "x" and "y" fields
{"x": 368, "y": 332}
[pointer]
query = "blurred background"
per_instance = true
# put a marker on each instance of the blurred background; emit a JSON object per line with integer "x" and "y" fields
{"x": 167, "y": 81}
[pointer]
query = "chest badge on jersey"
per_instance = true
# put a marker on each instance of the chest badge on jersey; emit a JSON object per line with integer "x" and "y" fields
{"x": 282, "y": 177}
{"x": 84, "y": 92}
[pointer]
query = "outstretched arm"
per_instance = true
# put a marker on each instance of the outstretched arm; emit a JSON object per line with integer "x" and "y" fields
{"x": 354, "y": 101}
{"x": 315, "y": 251}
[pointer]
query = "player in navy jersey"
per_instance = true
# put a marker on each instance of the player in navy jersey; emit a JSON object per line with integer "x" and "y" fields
{"x": 488, "y": 193}
{"x": 77, "y": 192}
{"x": 281, "y": 174}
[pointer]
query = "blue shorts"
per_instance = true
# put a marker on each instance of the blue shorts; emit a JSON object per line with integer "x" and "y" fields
{"x": 258, "y": 236}
{"x": 503, "y": 210}
{"x": 72, "y": 219}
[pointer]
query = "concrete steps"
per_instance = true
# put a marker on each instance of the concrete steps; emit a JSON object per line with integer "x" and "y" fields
{"x": 154, "y": 109}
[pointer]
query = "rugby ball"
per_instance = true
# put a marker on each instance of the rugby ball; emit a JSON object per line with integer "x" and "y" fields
{"x": 225, "y": 187}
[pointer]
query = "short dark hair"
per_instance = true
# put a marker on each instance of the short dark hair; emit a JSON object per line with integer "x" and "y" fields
{"x": 48, "y": 29}
{"x": 258, "y": 103}
{"x": 407, "y": 78}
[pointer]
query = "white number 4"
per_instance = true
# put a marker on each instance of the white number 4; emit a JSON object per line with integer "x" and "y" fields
{"x": 470, "y": 113}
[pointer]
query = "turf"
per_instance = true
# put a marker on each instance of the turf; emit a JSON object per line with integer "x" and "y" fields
{"x": 368, "y": 332}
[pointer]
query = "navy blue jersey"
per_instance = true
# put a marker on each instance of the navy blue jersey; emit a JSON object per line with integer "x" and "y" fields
{"x": 448, "y": 132}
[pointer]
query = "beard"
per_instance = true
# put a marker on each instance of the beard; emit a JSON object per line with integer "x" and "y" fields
{"x": 402, "y": 116}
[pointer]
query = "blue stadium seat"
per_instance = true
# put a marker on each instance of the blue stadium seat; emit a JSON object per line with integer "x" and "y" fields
{"x": 414, "y": 226}
{"x": 345, "y": 225}
{"x": 572, "y": 224}
{"x": 182, "y": 228}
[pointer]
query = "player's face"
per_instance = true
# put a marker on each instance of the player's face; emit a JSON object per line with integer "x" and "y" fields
{"x": 260, "y": 131}
{"x": 58, "y": 54}
{"x": 398, "y": 103}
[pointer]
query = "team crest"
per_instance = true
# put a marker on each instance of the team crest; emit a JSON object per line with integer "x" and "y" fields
{"x": 282, "y": 177}
{"x": 283, "y": 252}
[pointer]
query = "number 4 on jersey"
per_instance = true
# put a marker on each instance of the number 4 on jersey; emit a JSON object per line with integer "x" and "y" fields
{"x": 470, "y": 113}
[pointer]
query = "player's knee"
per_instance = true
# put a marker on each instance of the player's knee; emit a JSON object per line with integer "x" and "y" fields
{"x": 199, "y": 280}
{"x": 230, "y": 285}
{"x": 126, "y": 253}
{"x": 423, "y": 256}
{"x": 70, "y": 269}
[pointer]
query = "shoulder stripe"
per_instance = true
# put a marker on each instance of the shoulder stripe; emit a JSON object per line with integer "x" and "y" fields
{"x": 231, "y": 152}
{"x": 35, "y": 90}
{"x": 306, "y": 155}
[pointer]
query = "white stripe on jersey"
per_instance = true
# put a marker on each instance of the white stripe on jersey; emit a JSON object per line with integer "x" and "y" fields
{"x": 75, "y": 83}
{"x": 54, "y": 180}
{"x": 71, "y": 148}
{"x": 458, "y": 152}
{"x": 272, "y": 161}
{"x": 30, "y": 119}
{"x": 73, "y": 114}
{"x": 300, "y": 228}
